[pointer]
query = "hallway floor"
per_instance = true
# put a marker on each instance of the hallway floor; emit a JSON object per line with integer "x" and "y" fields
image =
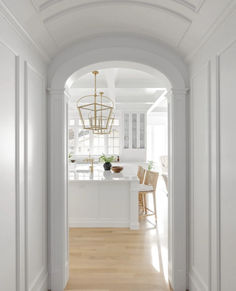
{"x": 117, "y": 259}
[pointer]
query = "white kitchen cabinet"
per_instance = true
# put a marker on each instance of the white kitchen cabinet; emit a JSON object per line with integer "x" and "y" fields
{"x": 134, "y": 129}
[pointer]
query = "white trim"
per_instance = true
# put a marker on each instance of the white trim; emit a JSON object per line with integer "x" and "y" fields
{"x": 193, "y": 7}
{"x": 158, "y": 101}
{"x": 178, "y": 188}
{"x": 196, "y": 283}
{"x": 17, "y": 169}
{"x": 142, "y": 4}
{"x": 6, "y": 13}
{"x": 26, "y": 173}
{"x": 194, "y": 276}
{"x": 218, "y": 193}
{"x": 49, "y": 3}
{"x": 83, "y": 58}
{"x": 39, "y": 279}
{"x": 57, "y": 148}
{"x": 229, "y": 10}
{"x": 29, "y": 286}
{"x": 218, "y": 187}
{"x": 209, "y": 173}
{"x": 43, "y": 284}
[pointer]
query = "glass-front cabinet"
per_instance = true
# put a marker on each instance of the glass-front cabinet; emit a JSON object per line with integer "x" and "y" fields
{"x": 134, "y": 129}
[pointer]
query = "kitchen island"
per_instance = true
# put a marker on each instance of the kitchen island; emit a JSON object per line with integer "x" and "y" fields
{"x": 102, "y": 198}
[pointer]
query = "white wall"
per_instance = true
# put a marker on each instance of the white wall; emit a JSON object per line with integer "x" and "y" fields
{"x": 23, "y": 236}
{"x": 213, "y": 158}
{"x": 157, "y": 136}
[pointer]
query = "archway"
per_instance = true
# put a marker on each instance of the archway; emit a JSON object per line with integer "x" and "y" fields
{"x": 154, "y": 58}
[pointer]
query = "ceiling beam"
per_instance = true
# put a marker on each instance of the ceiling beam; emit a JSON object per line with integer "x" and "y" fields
{"x": 160, "y": 98}
{"x": 110, "y": 76}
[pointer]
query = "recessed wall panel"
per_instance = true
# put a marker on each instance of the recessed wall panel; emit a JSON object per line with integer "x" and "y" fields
{"x": 227, "y": 74}
{"x": 200, "y": 196}
{"x": 7, "y": 169}
{"x": 36, "y": 187}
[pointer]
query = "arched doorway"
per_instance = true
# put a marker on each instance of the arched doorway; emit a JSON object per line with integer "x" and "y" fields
{"x": 153, "y": 58}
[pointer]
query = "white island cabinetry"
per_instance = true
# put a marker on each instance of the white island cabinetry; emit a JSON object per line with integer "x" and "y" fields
{"x": 102, "y": 199}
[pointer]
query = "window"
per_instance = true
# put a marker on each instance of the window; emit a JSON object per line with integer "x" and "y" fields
{"x": 98, "y": 144}
{"x": 71, "y": 141}
{"x": 82, "y": 146}
{"x": 114, "y": 142}
{"x": 71, "y": 122}
{"x": 82, "y": 142}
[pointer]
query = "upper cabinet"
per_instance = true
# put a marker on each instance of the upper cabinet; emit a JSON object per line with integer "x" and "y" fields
{"x": 142, "y": 129}
{"x": 134, "y": 129}
{"x": 126, "y": 130}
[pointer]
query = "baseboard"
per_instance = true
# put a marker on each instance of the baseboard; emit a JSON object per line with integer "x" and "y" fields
{"x": 195, "y": 282}
{"x": 40, "y": 282}
{"x": 97, "y": 223}
{"x": 171, "y": 288}
{"x": 134, "y": 226}
{"x": 66, "y": 273}
{"x": 43, "y": 286}
{"x": 170, "y": 274}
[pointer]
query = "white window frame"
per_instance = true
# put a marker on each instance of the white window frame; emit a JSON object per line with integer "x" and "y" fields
{"x": 78, "y": 126}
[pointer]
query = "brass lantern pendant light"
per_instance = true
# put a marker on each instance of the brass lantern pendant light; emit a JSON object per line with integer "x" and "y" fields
{"x": 96, "y": 111}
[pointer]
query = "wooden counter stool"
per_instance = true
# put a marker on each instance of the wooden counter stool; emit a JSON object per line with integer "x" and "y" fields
{"x": 149, "y": 187}
{"x": 141, "y": 174}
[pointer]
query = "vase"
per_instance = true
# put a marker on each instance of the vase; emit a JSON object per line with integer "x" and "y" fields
{"x": 107, "y": 166}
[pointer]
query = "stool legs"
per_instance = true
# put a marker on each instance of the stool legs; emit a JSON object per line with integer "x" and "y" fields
{"x": 145, "y": 211}
{"x": 154, "y": 205}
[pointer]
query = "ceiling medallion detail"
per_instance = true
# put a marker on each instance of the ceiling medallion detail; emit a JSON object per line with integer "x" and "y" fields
{"x": 96, "y": 111}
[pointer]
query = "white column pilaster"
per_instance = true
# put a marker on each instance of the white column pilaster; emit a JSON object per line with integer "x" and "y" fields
{"x": 57, "y": 159}
{"x": 177, "y": 182}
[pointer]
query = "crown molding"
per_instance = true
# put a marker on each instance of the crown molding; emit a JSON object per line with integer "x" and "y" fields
{"x": 25, "y": 36}
{"x": 191, "y": 6}
{"x": 47, "y": 4}
{"x": 218, "y": 22}
{"x": 79, "y": 7}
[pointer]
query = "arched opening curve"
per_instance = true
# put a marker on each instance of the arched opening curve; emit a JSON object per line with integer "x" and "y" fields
{"x": 63, "y": 68}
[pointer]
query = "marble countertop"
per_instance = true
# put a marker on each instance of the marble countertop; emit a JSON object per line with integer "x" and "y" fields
{"x": 78, "y": 172}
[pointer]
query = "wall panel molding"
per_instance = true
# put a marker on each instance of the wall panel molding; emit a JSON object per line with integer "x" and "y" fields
{"x": 134, "y": 3}
{"x": 218, "y": 228}
{"x": 17, "y": 162}
{"x": 9, "y": 241}
{"x": 196, "y": 282}
{"x": 19, "y": 29}
{"x": 16, "y": 48}
{"x": 226, "y": 89}
{"x": 26, "y": 173}
{"x": 42, "y": 272}
{"x": 195, "y": 277}
{"x": 230, "y": 9}
{"x": 218, "y": 158}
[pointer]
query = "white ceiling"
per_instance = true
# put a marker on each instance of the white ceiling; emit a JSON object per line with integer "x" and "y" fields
{"x": 128, "y": 87}
{"x": 56, "y": 24}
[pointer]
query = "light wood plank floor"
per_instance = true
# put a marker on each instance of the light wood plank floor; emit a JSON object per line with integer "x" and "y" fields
{"x": 116, "y": 260}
